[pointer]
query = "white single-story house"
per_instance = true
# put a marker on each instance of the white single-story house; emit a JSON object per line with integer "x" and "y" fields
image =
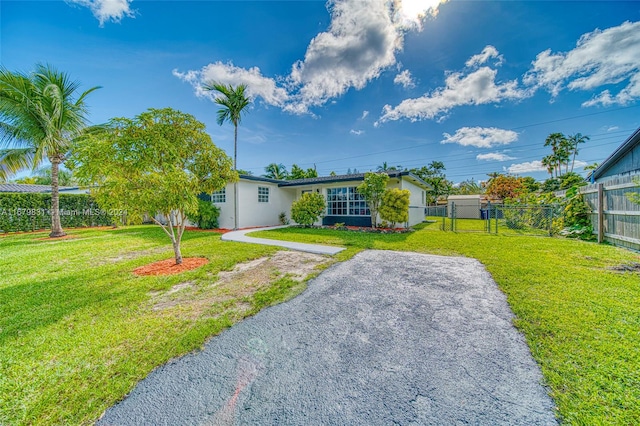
{"x": 262, "y": 200}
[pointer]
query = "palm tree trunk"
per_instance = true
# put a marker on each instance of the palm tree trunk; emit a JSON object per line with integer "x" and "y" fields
{"x": 235, "y": 184}
{"x": 56, "y": 225}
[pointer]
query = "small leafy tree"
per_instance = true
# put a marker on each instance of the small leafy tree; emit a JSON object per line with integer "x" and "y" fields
{"x": 372, "y": 190}
{"x": 157, "y": 162}
{"x": 308, "y": 208}
{"x": 395, "y": 206}
{"x": 505, "y": 187}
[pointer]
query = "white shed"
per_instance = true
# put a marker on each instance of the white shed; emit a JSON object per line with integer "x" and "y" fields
{"x": 466, "y": 206}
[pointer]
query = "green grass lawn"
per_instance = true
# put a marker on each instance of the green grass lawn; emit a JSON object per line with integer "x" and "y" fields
{"x": 581, "y": 319}
{"x": 78, "y": 330}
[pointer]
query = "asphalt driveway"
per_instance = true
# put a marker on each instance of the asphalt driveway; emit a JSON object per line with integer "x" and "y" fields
{"x": 385, "y": 338}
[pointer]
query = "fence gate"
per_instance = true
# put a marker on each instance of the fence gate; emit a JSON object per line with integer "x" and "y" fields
{"x": 505, "y": 219}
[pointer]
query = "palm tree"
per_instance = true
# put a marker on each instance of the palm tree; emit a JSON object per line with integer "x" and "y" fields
{"x": 39, "y": 118}
{"x": 574, "y": 140}
{"x": 276, "y": 171}
{"x": 233, "y": 102}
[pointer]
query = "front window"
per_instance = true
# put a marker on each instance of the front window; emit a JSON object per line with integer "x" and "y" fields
{"x": 263, "y": 194}
{"x": 219, "y": 196}
{"x": 346, "y": 202}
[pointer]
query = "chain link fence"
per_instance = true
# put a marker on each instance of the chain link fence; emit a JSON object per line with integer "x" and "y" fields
{"x": 505, "y": 219}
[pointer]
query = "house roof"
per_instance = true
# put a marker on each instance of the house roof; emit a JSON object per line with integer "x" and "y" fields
{"x": 351, "y": 178}
{"x": 261, "y": 179}
{"x": 28, "y": 188}
{"x": 631, "y": 142}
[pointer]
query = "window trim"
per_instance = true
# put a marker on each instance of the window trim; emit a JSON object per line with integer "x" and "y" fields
{"x": 349, "y": 201}
{"x": 221, "y": 194}
{"x": 262, "y": 197}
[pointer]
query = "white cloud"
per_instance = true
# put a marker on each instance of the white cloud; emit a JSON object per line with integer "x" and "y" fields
{"x": 404, "y": 78}
{"x": 612, "y": 128}
{"x": 601, "y": 57}
{"x": 360, "y": 43}
{"x": 481, "y": 137}
{"x": 474, "y": 88}
{"x": 257, "y": 84}
{"x": 107, "y": 10}
{"x": 356, "y": 132}
{"x": 487, "y": 53}
{"x": 530, "y": 166}
{"x": 580, "y": 164}
{"x": 364, "y": 114}
{"x": 494, "y": 156}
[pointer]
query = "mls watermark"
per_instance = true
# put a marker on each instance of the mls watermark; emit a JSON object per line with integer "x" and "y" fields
{"x": 62, "y": 212}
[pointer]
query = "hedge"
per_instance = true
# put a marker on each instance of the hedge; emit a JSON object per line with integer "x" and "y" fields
{"x": 31, "y": 212}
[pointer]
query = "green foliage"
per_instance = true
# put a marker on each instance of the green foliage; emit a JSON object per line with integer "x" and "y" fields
{"x": 31, "y": 212}
{"x": 207, "y": 215}
{"x": 530, "y": 184}
{"x": 571, "y": 179}
{"x": 550, "y": 185}
{"x": 634, "y": 197}
{"x": 282, "y": 217}
{"x": 372, "y": 189}
{"x": 298, "y": 172}
{"x": 395, "y": 206}
{"x": 276, "y": 171}
{"x": 433, "y": 174}
{"x": 40, "y": 114}
{"x": 308, "y": 208}
{"x": 157, "y": 162}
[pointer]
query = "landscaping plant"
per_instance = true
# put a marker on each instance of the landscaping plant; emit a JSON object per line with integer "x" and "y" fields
{"x": 372, "y": 190}
{"x": 308, "y": 208}
{"x": 395, "y": 206}
{"x": 157, "y": 162}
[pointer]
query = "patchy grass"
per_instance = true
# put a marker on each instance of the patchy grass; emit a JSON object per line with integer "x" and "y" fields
{"x": 579, "y": 310}
{"x": 78, "y": 329}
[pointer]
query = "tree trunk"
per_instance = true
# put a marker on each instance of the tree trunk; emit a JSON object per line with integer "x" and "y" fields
{"x": 56, "y": 225}
{"x": 235, "y": 184}
{"x": 176, "y": 252}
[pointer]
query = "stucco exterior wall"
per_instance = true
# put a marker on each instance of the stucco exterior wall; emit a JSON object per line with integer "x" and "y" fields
{"x": 417, "y": 202}
{"x": 251, "y": 211}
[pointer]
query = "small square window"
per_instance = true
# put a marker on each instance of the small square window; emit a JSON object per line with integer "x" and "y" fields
{"x": 263, "y": 194}
{"x": 219, "y": 196}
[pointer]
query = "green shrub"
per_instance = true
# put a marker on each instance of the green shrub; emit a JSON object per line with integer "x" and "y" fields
{"x": 31, "y": 212}
{"x": 284, "y": 220}
{"x": 207, "y": 216}
{"x": 395, "y": 206}
{"x": 308, "y": 208}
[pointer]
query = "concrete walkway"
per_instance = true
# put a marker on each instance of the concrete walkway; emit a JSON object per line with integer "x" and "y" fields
{"x": 385, "y": 338}
{"x": 241, "y": 236}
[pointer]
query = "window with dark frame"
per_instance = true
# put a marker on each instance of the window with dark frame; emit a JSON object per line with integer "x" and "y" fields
{"x": 219, "y": 197}
{"x": 346, "y": 202}
{"x": 263, "y": 194}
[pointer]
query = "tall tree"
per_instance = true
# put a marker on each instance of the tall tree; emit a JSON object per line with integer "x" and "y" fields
{"x": 40, "y": 114}
{"x": 560, "y": 152}
{"x": 574, "y": 141}
{"x": 233, "y": 102}
{"x": 276, "y": 171}
{"x": 157, "y": 162}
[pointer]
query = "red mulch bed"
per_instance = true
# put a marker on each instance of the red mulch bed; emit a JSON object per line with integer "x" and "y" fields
{"x": 169, "y": 267}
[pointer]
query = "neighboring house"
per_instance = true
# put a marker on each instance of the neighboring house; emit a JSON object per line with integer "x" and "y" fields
{"x": 42, "y": 189}
{"x": 625, "y": 160}
{"x": 261, "y": 200}
{"x": 618, "y": 222}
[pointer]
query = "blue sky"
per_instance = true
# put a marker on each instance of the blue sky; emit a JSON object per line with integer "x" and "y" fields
{"x": 351, "y": 84}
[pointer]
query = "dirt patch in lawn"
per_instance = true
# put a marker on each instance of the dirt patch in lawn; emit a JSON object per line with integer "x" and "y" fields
{"x": 65, "y": 237}
{"x": 628, "y": 267}
{"x": 233, "y": 289}
{"x": 169, "y": 266}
